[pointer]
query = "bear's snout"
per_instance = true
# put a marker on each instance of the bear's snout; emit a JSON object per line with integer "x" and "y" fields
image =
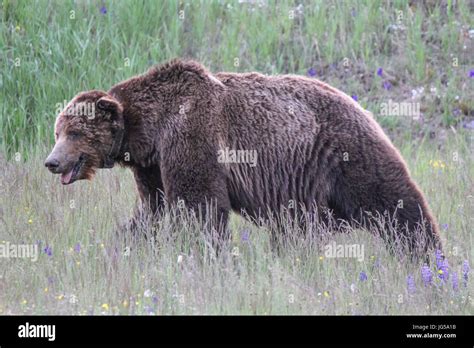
{"x": 51, "y": 163}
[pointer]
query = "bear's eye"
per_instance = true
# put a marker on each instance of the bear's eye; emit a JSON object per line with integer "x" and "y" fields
{"x": 74, "y": 135}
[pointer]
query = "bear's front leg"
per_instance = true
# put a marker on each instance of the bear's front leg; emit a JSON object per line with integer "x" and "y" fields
{"x": 150, "y": 190}
{"x": 200, "y": 186}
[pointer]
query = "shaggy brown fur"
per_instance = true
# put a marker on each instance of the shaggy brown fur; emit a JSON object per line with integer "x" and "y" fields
{"x": 315, "y": 146}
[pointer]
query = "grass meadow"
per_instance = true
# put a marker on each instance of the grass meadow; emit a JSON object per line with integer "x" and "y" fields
{"x": 376, "y": 51}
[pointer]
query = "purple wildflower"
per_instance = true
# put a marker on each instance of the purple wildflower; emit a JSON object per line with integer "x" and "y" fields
{"x": 103, "y": 10}
{"x": 411, "y": 284}
{"x": 362, "y": 276}
{"x": 443, "y": 270}
{"x": 444, "y": 226}
{"x": 439, "y": 258}
{"x": 77, "y": 248}
{"x": 426, "y": 274}
{"x": 468, "y": 125}
{"x": 245, "y": 235}
{"x": 471, "y": 73}
{"x": 465, "y": 271}
{"x": 312, "y": 72}
{"x": 441, "y": 265}
{"x": 380, "y": 72}
{"x": 455, "y": 281}
{"x": 456, "y": 112}
{"x": 377, "y": 263}
{"x": 154, "y": 299}
{"x": 387, "y": 85}
{"x": 355, "y": 97}
{"x": 48, "y": 251}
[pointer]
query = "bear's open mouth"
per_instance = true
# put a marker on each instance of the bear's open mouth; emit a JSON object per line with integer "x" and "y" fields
{"x": 70, "y": 176}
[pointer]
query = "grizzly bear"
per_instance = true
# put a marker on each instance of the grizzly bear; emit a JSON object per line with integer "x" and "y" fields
{"x": 247, "y": 142}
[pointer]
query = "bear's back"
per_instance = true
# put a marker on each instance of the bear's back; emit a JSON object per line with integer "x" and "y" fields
{"x": 300, "y": 129}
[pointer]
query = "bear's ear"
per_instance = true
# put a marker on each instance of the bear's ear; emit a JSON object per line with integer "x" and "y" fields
{"x": 110, "y": 104}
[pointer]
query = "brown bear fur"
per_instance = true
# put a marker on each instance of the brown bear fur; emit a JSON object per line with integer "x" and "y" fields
{"x": 316, "y": 147}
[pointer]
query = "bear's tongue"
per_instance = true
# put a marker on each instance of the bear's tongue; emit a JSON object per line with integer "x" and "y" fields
{"x": 66, "y": 177}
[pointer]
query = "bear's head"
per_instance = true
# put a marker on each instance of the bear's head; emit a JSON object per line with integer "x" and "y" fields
{"x": 88, "y": 134}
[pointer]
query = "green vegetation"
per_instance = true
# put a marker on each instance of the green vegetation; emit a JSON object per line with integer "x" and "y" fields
{"x": 52, "y": 50}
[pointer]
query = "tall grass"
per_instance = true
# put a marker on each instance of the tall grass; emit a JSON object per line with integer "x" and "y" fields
{"x": 83, "y": 268}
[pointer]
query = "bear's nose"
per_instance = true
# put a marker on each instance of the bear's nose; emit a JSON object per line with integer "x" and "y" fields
{"x": 51, "y": 163}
